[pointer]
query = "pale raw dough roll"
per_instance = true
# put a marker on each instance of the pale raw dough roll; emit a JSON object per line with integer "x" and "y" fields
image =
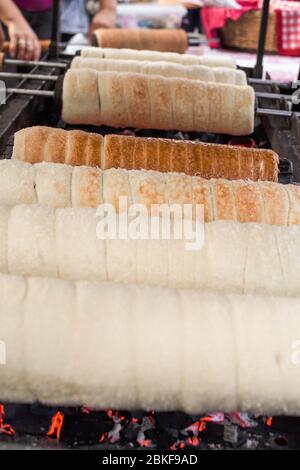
{"x": 64, "y": 339}
{"x": 17, "y": 182}
{"x": 4, "y": 217}
{"x": 154, "y": 56}
{"x": 71, "y": 243}
{"x": 86, "y": 187}
{"x": 57, "y": 185}
{"x": 116, "y": 185}
{"x": 13, "y": 292}
{"x": 164, "y": 69}
{"x": 32, "y": 241}
{"x": 53, "y": 184}
{"x": 81, "y": 100}
{"x": 131, "y": 99}
{"x": 80, "y": 253}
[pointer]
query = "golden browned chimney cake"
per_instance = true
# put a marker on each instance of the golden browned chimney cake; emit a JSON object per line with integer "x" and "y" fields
{"x": 41, "y": 143}
{"x": 36, "y": 144}
{"x": 163, "y": 40}
{"x": 192, "y": 158}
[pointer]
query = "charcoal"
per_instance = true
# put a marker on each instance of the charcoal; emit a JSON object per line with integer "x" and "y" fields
{"x": 125, "y": 429}
{"x": 130, "y": 432}
{"x": 31, "y": 419}
{"x": 85, "y": 428}
{"x": 125, "y": 416}
{"x": 138, "y": 414}
{"x": 162, "y": 440}
{"x": 147, "y": 423}
{"x": 178, "y": 420}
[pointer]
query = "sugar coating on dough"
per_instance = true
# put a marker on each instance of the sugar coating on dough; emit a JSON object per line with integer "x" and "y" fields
{"x": 122, "y": 99}
{"x": 73, "y": 243}
{"x": 64, "y": 339}
{"x": 154, "y": 56}
{"x": 164, "y": 69}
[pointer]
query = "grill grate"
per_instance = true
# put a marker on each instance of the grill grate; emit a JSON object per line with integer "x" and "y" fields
{"x": 101, "y": 429}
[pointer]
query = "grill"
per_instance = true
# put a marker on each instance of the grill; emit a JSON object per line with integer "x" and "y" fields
{"x": 272, "y": 130}
{"x": 36, "y": 426}
{"x": 40, "y": 427}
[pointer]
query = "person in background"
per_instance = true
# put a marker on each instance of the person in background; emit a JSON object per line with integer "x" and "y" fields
{"x": 85, "y": 16}
{"x": 26, "y": 21}
{"x": 191, "y": 22}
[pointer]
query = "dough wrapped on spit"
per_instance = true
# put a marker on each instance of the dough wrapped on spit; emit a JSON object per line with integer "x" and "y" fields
{"x": 73, "y": 244}
{"x": 164, "y": 69}
{"x": 113, "y": 346}
{"x": 192, "y": 158}
{"x": 154, "y": 56}
{"x": 35, "y": 144}
{"x": 163, "y": 40}
{"x": 154, "y": 102}
{"x": 41, "y": 143}
{"x": 59, "y": 185}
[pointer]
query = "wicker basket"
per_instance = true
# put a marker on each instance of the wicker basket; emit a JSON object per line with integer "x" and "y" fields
{"x": 243, "y": 33}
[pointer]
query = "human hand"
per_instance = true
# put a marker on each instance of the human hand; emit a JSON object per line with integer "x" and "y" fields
{"x": 105, "y": 18}
{"x": 23, "y": 42}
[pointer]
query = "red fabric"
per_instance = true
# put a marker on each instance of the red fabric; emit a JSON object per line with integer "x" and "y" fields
{"x": 287, "y": 18}
{"x": 215, "y": 18}
{"x": 288, "y": 26}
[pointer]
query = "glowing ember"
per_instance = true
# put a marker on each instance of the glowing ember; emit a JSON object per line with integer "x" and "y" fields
{"x": 147, "y": 443}
{"x": 56, "y": 426}
{"x": 5, "y": 429}
{"x": 269, "y": 421}
{"x": 214, "y": 418}
{"x": 193, "y": 441}
{"x": 142, "y": 441}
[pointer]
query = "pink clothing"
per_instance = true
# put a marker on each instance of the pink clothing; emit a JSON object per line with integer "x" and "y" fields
{"x": 34, "y": 5}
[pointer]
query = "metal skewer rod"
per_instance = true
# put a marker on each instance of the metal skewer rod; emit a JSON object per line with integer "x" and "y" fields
{"x": 260, "y": 81}
{"x": 24, "y": 91}
{"x": 50, "y": 78}
{"x": 51, "y": 94}
{"x": 26, "y": 63}
{"x": 276, "y": 112}
{"x": 273, "y": 96}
